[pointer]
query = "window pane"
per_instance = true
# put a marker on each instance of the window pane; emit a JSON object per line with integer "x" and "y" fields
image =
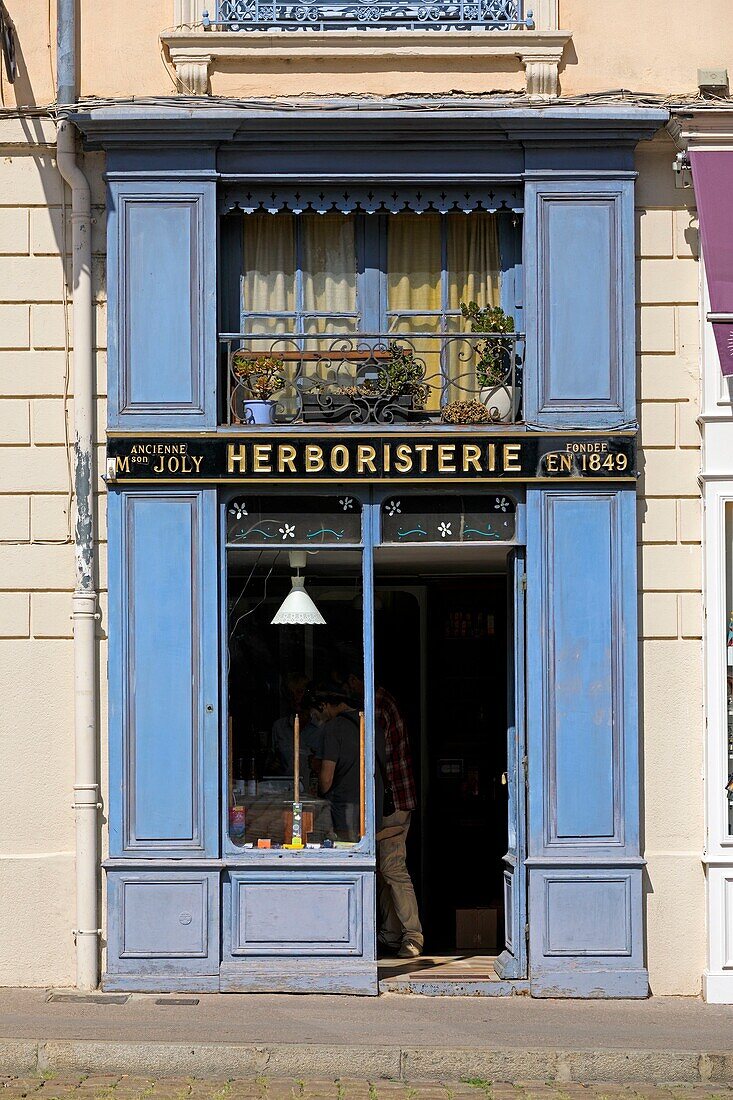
{"x": 287, "y": 776}
{"x": 284, "y": 521}
{"x": 413, "y": 262}
{"x": 448, "y": 519}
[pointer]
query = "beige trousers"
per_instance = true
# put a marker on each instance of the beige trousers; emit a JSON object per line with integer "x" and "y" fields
{"x": 399, "y": 918}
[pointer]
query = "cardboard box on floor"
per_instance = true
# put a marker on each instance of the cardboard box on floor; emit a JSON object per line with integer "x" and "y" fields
{"x": 476, "y": 930}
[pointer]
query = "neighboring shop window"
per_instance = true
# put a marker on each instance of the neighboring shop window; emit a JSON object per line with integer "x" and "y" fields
{"x": 729, "y": 663}
{"x": 483, "y": 519}
{"x": 296, "y": 735}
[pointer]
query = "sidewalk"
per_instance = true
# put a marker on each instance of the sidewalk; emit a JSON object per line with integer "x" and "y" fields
{"x": 393, "y": 1037}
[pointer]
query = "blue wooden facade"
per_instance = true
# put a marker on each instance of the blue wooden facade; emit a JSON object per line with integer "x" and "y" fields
{"x": 185, "y": 911}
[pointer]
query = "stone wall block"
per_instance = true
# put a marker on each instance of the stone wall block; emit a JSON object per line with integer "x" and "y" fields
{"x": 657, "y": 520}
{"x": 31, "y": 278}
{"x": 48, "y": 326}
{"x": 51, "y": 615}
{"x": 49, "y": 517}
{"x": 32, "y": 374}
{"x": 687, "y": 234}
{"x": 31, "y": 567}
{"x": 671, "y": 568}
{"x": 690, "y": 614}
{"x": 13, "y": 231}
{"x": 669, "y": 473}
{"x": 34, "y": 470}
{"x": 30, "y": 181}
{"x": 690, "y": 520}
{"x": 688, "y": 336}
{"x": 15, "y": 524}
{"x": 656, "y": 329}
{"x": 658, "y": 424}
{"x": 15, "y": 327}
{"x": 658, "y": 615}
{"x": 664, "y": 281}
{"x": 51, "y": 421}
{"x": 14, "y": 614}
{"x": 49, "y": 235}
{"x": 655, "y": 233}
{"x": 14, "y": 422}
{"x": 668, "y": 378}
{"x": 688, "y": 429}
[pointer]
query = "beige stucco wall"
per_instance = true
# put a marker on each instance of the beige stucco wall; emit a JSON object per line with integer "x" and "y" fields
{"x": 37, "y": 570}
{"x": 670, "y": 567}
{"x": 655, "y": 47}
{"x": 37, "y": 562}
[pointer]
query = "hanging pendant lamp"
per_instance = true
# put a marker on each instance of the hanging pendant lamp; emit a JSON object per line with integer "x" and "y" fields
{"x": 298, "y": 609}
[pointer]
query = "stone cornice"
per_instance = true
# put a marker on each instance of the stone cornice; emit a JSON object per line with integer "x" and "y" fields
{"x": 192, "y": 53}
{"x": 703, "y": 127}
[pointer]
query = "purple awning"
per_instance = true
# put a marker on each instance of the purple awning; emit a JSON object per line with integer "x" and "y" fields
{"x": 712, "y": 172}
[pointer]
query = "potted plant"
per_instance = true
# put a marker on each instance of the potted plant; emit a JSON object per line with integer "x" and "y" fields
{"x": 396, "y": 391}
{"x": 259, "y": 377}
{"x": 493, "y": 369}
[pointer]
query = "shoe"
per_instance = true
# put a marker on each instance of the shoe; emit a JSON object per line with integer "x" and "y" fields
{"x": 385, "y": 949}
{"x": 409, "y": 950}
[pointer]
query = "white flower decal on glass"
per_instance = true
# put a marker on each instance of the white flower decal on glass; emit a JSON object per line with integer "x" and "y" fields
{"x": 502, "y": 504}
{"x": 392, "y": 508}
{"x": 347, "y": 503}
{"x": 287, "y": 530}
{"x": 445, "y": 530}
{"x": 238, "y": 510}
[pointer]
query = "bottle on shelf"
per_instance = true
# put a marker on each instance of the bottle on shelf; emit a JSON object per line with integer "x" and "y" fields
{"x": 251, "y": 785}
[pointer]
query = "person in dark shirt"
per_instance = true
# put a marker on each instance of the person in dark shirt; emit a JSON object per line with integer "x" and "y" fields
{"x": 339, "y": 779}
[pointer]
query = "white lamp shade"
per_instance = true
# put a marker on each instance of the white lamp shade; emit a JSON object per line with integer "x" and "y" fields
{"x": 298, "y": 609}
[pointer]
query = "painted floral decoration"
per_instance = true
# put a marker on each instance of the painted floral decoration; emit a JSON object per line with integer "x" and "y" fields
{"x": 287, "y": 530}
{"x": 445, "y": 529}
{"x": 502, "y": 504}
{"x": 239, "y": 511}
{"x": 347, "y": 503}
{"x": 392, "y": 508}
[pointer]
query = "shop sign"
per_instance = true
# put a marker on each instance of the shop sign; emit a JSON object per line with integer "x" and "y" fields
{"x": 337, "y": 458}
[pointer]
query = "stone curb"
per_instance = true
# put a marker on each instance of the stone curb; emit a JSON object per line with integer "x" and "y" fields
{"x": 161, "y": 1059}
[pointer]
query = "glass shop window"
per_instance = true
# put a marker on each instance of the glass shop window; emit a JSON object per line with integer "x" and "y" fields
{"x": 728, "y": 766}
{"x": 453, "y": 519}
{"x": 296, "y": 739}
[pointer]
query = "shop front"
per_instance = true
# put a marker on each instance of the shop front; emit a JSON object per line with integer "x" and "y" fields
{"x": 371, "y": 432}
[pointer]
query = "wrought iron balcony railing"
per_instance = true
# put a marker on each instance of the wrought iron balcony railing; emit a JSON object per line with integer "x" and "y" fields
{"x": 382, "y": 378}
{"x": 258, "y": 15}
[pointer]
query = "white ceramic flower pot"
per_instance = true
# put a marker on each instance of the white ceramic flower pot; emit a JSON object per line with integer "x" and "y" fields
{"x": 499, "y": 400}
{"x": 258, "y": 412}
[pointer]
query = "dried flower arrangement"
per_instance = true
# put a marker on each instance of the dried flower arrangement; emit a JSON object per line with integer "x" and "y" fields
{"x": 465, "y": 412}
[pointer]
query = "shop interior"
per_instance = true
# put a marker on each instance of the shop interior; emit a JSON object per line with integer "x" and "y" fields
{"x": 441, "y": 651}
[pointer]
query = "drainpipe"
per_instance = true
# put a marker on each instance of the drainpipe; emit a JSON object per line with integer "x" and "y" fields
{"x": 84, "y": 604}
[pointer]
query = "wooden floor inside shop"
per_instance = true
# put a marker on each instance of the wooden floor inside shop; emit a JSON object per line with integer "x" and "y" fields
{"x": 455, "y": 968}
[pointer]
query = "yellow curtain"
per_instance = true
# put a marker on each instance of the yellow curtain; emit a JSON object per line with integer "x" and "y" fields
{"x": 268, "y": 282}
{"x": 329, "y": 269}
{"x": 414, "y": 283}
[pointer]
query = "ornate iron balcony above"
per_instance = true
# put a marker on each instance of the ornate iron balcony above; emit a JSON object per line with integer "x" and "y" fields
{"x": 381, "y": 378}
{"x": 260, "y": 15}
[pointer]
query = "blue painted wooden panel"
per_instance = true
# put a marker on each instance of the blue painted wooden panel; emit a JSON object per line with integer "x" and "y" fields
{"x": 579, "y": 265}
{"x": 162, "y": 302}
{"x": 585, "y": 899}
{"x": 163, "y": 673}
{"x": 296, "y": 913}
{"x": 512, "y": 963}
{"x": 162, "y": 921}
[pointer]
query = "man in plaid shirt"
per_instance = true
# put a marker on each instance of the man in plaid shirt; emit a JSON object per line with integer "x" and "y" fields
{"x": 400, "y": 929}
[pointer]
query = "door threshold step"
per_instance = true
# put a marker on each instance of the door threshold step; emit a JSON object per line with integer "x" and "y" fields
{"x": 453, "y": 986}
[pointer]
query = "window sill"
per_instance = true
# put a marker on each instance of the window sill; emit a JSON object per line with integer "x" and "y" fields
{"x": 192, "y": 53}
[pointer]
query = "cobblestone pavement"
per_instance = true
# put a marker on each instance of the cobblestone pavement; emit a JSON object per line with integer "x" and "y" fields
{"x": 59, "y": 1086}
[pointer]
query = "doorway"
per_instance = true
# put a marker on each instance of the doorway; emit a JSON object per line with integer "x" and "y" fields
{"x": 442, "y": 649}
